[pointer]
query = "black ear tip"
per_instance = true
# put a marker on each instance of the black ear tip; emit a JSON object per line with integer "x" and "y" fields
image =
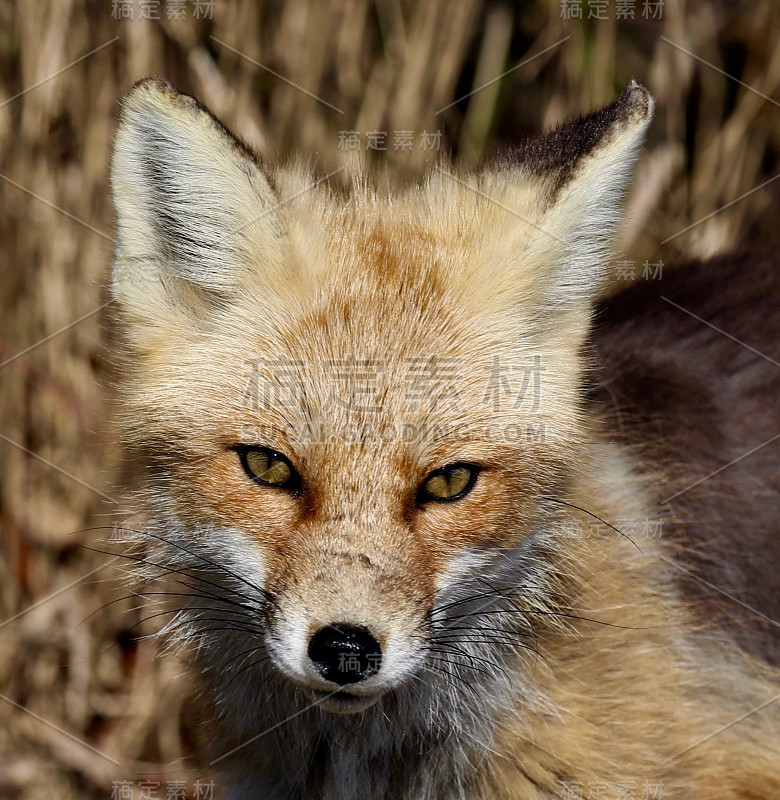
{"x": 153, "y": 84}
{"x": 155, "y": 91}
{"x": 636, "y": 101}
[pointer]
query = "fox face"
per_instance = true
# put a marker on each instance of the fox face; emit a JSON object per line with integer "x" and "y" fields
{"x": 357, "y": 414}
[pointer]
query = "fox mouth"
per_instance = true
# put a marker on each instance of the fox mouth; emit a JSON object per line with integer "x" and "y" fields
{"x": 340, "y": 702}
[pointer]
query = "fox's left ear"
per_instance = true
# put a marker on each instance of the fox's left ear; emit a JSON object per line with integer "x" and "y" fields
{"x": 195, "y": 209}
{"x": 577, "y": 175}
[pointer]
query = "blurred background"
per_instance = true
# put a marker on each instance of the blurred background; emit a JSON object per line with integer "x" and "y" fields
{"x": 86, "y": 708}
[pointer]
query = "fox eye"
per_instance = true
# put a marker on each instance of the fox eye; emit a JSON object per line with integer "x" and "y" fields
{"x": 448, "y": 483}
{"x": 268, "y": 467}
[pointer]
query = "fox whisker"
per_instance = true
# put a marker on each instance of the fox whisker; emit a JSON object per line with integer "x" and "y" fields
{"x": 167, "y": 569}
{"x": 595, "y": 516}
{"x": 189, "y": 618}
{"x": 219, "y": 567}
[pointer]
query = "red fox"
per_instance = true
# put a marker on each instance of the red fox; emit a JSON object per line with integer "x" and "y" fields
{"x": 441, "y": 523}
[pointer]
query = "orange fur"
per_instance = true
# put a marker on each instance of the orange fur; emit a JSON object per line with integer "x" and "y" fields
{"x": 623, "y": 687}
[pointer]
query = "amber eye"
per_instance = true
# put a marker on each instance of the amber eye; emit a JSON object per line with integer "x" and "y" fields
{"x": 268, "y": 467}
{"x": 449, "y": 483}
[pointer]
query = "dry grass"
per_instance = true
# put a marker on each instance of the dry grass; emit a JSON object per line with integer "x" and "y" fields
{"x": 389, "y": 66}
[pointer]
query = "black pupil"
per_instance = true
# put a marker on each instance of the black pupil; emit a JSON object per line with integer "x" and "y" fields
{"x": 449, "y": 482}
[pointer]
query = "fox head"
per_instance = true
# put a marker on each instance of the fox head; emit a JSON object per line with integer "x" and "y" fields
{"x": 356, "y": 410}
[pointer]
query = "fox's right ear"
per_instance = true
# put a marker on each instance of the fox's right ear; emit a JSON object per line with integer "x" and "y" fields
{"x": 568, "y": 185}
{"x": 195, "y": 211}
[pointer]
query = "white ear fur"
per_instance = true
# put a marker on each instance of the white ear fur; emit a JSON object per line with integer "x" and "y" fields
{"x": 194, "y": 208}
{"x": 588, "y": 209}
{"x": 580, "y": 172}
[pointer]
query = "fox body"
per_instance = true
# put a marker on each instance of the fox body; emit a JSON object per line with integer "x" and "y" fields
{"x": 383, "y": 460}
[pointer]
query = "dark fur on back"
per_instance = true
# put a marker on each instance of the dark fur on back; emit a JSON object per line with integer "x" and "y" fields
{"x": 691, "y": 398}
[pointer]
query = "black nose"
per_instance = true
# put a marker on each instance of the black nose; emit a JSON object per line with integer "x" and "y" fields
{"x": 345, "y": 654}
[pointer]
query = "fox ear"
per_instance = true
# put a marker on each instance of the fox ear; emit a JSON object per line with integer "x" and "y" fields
{"x": 194, "y": 208}
{"x": 578, "y": 173}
